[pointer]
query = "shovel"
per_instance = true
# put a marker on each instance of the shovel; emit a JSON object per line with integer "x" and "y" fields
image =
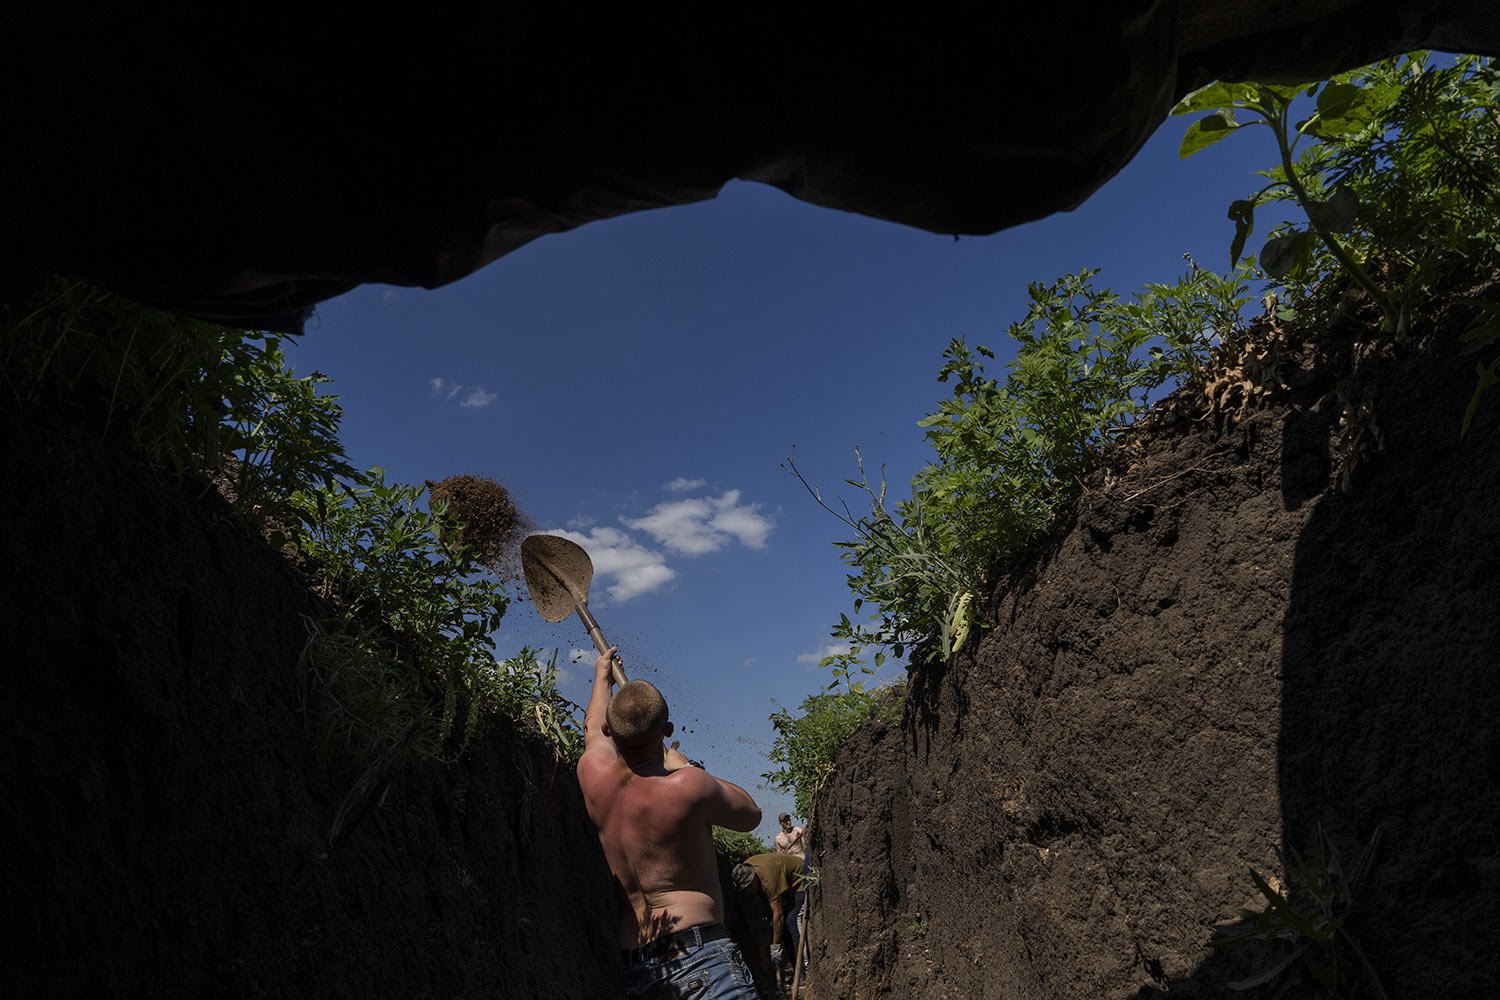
{"x": 558, "y": 574}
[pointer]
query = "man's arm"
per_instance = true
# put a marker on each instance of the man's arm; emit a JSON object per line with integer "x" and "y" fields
{"x": 728, "y": 805}
{"x": 593, "y": 716}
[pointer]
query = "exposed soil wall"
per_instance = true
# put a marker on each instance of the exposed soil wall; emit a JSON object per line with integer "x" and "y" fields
{"x": 162, "y": 820}
{"x": 1219, "y": 655}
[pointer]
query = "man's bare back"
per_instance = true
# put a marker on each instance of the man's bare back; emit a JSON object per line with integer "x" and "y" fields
{"x": 655, "y": 815}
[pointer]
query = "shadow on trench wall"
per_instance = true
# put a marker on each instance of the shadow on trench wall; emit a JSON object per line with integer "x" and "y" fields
{"x": 1391, "y": 681}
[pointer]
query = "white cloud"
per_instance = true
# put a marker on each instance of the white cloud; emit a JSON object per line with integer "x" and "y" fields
{"x": 696, "y": 526}
{"x": 681, "y": 485}
{"x": 387, "y": 296}
{"x": 817, "y": 656}
{"x": 442, "y": 387}
{"x": 749, "y": 662}
{"x": 634, "y": 569}
{"x": 578, "y": 522}
{"x": 478, "y": 397}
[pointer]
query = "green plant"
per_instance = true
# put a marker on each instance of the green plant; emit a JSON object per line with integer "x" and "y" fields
{"x": 1011, "y": 456}
{"x": 806, "y": 744}
{"x": 281, "y": 432}
{"x": 917, "y": 927}
{"x": 405, "y": 588}
{"x": 1308, "y": 924}
{"x": 737, "y": 846}
{"x": 1396, "y": 170}
{"x": 524, "y": 688}
{"x": 406, "y": 660}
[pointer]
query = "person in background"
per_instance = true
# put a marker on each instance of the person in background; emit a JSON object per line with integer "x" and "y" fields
{"x": 779, "y": 876}
{"x": 791, "y": 839}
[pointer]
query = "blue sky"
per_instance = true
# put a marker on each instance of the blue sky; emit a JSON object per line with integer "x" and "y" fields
{"x": 638, "y": 381}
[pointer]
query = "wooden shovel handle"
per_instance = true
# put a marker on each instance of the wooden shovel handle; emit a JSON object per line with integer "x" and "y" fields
{"x": 601, "y": 644}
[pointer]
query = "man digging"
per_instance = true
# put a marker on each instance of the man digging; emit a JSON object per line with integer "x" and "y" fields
{"x": 654, "y": 813}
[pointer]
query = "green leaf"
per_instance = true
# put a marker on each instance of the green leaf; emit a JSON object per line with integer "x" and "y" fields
{"x": 1345, "y": 109}
{"x": 1213, "y": 96}
{"x": 1284, "y": 254}
{"x": 1242, "y": 214}
{"x": 1279, "y": 255}
{"x": 1336, "y": 215}
{"x": 1337, "y": 99}
{"x": 1285, "y": 93}
{"x": 1485, "y": 330}
{"x": 1205, "y": 132}
{"x": 1489, "y": 376}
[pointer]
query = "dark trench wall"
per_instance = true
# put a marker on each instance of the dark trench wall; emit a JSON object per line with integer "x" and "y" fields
{"x": 1219, "y": 657}
{"x": 162, "y": 820}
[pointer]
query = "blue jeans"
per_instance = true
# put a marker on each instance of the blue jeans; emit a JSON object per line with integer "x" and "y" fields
{"x": 714, "y": 970}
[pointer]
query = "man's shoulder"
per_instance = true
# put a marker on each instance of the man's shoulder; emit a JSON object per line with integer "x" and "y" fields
{"x": 694, "y": 780}
{"x": 595, "y": 763}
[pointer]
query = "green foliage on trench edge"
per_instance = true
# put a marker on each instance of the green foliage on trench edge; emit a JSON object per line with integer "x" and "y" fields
{"x": 404, "y": 655}
{"x": 807, "y": 743}
{"x": 1396, "y": 169}
{"x": 737, "y": 846}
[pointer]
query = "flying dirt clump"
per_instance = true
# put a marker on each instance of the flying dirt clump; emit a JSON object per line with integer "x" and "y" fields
{"x": 489, "y": 521}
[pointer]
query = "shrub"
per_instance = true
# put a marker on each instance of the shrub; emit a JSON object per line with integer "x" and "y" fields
{"x": 1011, "y": 456}
{"x": 1395, "y": 170}
{"x": 737, "y": 846}
{"x": 806, "y": 744}
{"x": 406, "y": 659}
{"x": 177, "y": 392}
{"x": 409, "y": 596}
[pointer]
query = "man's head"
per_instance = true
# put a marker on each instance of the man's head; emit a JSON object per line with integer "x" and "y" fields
{"x": 637, "y": 716}
{"x": 786, "y": 822}
{"x": 743, "y": 876}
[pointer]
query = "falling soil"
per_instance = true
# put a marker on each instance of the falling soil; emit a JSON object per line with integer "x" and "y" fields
{"x": 489, "y": 521}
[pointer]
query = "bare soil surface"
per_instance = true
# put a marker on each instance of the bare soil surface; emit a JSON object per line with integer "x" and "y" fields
{"x": 1219, "y": 655}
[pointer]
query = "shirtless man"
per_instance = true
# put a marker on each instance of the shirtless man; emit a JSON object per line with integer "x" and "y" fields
{"x": 790, "y": 839}
{"x": 655, "y": 813}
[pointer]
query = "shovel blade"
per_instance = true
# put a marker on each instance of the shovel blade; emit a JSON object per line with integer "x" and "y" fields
{"x": 558, "y": 574}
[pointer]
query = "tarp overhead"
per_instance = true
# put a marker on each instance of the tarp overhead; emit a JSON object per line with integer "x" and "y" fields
{"x": 245, "y": 175}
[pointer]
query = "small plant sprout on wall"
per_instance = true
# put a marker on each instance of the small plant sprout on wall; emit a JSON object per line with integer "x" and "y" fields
{"x": 1306, "y": 923}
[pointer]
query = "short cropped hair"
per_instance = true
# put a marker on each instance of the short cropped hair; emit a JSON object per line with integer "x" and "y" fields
{"x": 636, "y": 713}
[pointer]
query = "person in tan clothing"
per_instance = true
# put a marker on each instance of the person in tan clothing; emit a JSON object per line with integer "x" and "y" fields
{"x": 779, "y": 876}
{"x": 654, "y": 813}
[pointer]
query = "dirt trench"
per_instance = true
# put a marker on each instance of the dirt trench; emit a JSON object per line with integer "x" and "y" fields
{"x": 163, "y": 820}
{"x": 1220, "y": 655}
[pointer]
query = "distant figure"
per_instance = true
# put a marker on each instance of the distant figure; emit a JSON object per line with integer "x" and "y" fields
{"x": 654, "y": 813}
{"x": 790, "y": 839}
{"x": 778, "y": 876}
